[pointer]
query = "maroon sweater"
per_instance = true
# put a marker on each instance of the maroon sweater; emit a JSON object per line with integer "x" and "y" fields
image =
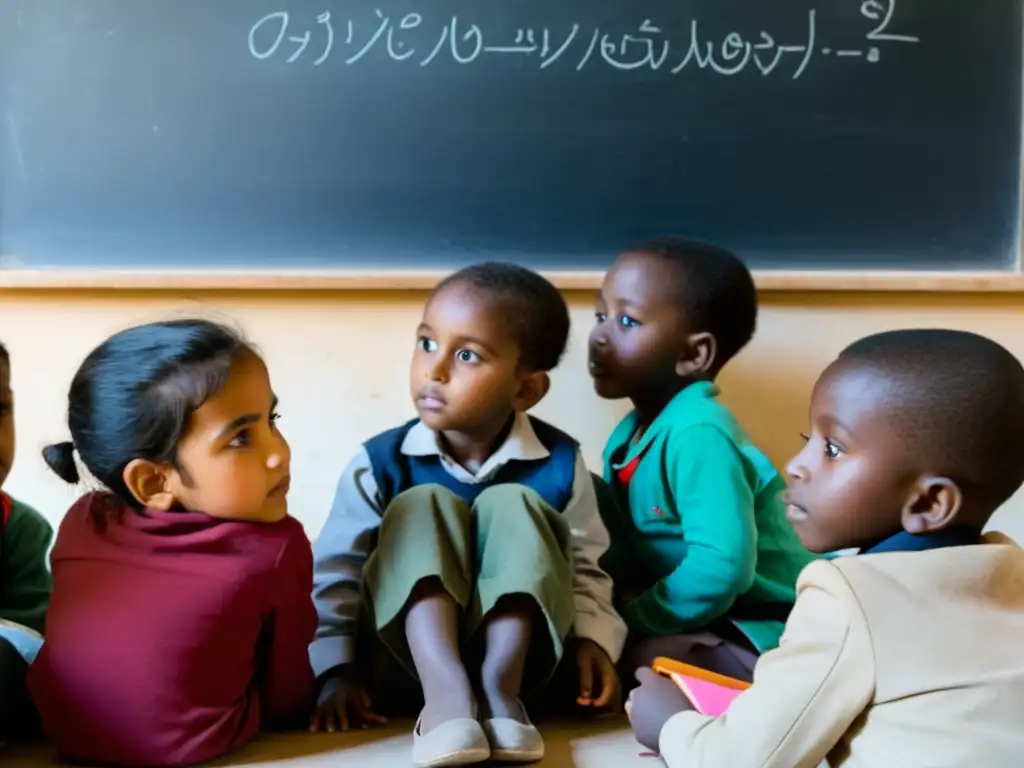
{"x": 172, "y": 635}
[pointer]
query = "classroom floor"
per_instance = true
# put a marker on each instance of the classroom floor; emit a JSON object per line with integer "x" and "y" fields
{"x": 607, "y": 744}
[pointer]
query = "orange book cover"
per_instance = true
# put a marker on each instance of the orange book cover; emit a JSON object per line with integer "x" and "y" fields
{"x": 708, "y": 692}
{"x": 668, "y": 667}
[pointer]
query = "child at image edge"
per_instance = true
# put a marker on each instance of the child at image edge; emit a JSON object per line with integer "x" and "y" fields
{"x": 909, "y": 653}
{"x": 703, "y": 560}
{"x": 25, "y": 538}
{"x": 181, "y": 614}
{"x": 468, "y": 539}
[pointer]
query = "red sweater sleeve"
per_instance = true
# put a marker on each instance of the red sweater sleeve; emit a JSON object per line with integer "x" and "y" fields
{"x": 288, "y": 683}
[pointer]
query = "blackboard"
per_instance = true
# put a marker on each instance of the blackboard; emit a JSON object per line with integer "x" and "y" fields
{"x": 406, "y": 133}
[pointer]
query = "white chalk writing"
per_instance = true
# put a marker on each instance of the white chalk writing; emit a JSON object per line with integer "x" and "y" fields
{"x": 649, "y": 46}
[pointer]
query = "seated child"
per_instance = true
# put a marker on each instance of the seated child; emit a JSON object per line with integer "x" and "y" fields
{"x": 470, "y": 535}
{"x": 703, "y": 561}
{"x": 181, "y": 617}
{"x": 24, "y": 579}
{"x": 908, "y": 654}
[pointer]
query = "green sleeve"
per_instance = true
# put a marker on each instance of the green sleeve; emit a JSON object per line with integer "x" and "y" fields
{"x": 26, "y": 577}
{"x": 707, "y": 479}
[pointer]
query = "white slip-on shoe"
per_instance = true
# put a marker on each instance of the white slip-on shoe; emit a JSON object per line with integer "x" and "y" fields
{"x": 512, "y": 741}
{"x": 454, "y": 742}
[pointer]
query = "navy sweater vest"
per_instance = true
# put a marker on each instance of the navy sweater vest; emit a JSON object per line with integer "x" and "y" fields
{"x": 551, "y": 477}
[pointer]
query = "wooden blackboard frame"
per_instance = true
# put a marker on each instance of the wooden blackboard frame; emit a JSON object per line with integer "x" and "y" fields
{"x": 349, "y": 280}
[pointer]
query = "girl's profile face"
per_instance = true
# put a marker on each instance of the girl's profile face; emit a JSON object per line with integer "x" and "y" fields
{"x": 233, "y": 463}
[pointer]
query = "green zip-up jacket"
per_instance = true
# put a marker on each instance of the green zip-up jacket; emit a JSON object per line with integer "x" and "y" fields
{"x": 706, "y": 534}
{"x": 25, "y": 579}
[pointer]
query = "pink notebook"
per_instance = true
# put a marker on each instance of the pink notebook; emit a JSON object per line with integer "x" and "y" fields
{"x": 706, "y": 697}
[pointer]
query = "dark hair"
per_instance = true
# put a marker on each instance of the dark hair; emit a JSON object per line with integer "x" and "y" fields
{"x": 5, "y": 356}
{"x": 714, "y": 288}
{"x": 960, "y": 404}
{"x": 133, "y": 396}
{"x": 531, "y": 306}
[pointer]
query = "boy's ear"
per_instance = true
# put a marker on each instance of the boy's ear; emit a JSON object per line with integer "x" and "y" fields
{"x": 149, "y": 483}
{"x": 934, "y": 505}
{"x": 698, "y": 355}
{"x": 532, "y": 388}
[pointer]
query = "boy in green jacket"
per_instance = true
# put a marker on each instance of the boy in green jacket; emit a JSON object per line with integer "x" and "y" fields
{"x": 705, "y": 563}
{"x": 25, "y": 581}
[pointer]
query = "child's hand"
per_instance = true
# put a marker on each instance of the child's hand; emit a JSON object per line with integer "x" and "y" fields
{"x": 652, "y": 705}
{"x": 343, "y": 702}
{"x": 595, "y": 667}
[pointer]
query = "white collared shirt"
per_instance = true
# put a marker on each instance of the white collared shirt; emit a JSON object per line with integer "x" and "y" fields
{"x": 522, "y": 444}
{"x": 341, "y": 550}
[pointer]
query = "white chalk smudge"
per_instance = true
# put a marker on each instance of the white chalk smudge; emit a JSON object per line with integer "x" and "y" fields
{"x": 12, "y": 128}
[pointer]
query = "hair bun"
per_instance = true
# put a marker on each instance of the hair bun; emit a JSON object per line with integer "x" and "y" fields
{"x": 60, "y": 457}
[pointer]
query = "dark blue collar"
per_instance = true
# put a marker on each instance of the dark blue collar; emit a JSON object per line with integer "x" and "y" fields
{"x": 959, "y": 536}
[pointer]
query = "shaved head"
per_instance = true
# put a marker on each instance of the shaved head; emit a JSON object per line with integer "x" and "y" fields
{"x": 956, "y": 403}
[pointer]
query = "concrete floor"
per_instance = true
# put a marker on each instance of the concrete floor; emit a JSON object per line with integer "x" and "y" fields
{"x": 605, "y": 744}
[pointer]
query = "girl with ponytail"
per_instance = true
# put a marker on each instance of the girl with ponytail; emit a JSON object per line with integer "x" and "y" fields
{"x": 181, "y": 612}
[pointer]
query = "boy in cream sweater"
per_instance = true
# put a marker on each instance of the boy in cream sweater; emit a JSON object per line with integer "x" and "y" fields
{"x": 908, "y": 654}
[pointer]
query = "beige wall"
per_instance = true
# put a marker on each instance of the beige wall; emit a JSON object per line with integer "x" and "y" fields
{"x": 339, "y": 364}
